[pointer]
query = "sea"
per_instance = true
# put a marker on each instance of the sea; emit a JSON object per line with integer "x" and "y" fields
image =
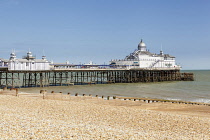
{"x": 194, "y": 91}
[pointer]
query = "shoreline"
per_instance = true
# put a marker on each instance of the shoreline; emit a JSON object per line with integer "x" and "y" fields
{"x": 157, "y": 90}
{"x": 154, "y": 104}
{"x": 147, "y": 100}
{"x": 57, "y": 116}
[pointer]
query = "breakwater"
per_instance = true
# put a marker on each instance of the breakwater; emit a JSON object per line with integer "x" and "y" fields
{"x": 66, "y": 96}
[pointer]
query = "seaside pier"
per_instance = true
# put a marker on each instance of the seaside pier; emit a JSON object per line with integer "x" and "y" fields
{"x": 66, "y": 77}
{"x": 139, "y": 66}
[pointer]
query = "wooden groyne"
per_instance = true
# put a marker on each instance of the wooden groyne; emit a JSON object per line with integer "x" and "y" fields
{"x": 82, "y": 77}
{"x": 146, "y": 100}
{"x": 66, "y": 96}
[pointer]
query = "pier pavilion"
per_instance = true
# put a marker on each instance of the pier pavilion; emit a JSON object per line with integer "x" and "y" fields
{"x": 143, "y": 58}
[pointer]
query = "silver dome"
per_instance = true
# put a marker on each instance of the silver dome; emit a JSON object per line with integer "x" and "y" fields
{"x": 141, "y": 45}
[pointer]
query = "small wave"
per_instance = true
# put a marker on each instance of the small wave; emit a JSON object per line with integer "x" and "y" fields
{"x": 175, "y": 99}
{"x": 201, "y": 100}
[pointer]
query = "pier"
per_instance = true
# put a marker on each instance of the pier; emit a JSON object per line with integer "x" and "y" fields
{"x": 139, "y": 66}
{"x": 79, "y": 76}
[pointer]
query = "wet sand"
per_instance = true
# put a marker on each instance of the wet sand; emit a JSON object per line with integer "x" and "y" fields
{"x": 58, "y": 116}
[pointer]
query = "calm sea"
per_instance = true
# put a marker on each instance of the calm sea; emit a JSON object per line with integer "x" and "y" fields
{"x": 195, "y": 91}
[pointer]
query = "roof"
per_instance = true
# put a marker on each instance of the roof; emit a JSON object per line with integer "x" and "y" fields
{"x": 167, "y": 55}
{"x": 34, "y": 60}
{"x": 135, "y": 54}
{"x": 142, "y": 44}
{"x": 4, "y": 60}
{"x": 145, "y": 53}
{"x": 26, "y": 60}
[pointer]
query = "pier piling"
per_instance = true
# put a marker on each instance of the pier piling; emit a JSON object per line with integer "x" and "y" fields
{"x": 13, "y": 79}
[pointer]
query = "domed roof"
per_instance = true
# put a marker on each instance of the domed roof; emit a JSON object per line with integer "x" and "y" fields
{"x": 142, "y": 44}
{"x": 12, "y": 53}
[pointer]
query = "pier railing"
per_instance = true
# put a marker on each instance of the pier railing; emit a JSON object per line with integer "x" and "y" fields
{"x": 117, "y": 68}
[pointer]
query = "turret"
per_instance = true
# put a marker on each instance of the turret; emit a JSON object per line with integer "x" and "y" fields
{"x": 161, "y": 52}
{"x": 142, "y": 46}
{"x": 44, "y": 58}
{"x": 12, "y": 56}
{"x": 29, "y": 56}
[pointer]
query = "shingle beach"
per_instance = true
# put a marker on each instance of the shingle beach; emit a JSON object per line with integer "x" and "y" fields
{"x": 83, "y": 118}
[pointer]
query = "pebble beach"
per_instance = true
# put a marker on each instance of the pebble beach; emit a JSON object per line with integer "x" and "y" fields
{"x": 58, "y": 116}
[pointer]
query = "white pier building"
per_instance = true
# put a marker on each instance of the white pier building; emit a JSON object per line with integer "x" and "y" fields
{"x": 142, "y": 58}
{"x": 28, "y": 62}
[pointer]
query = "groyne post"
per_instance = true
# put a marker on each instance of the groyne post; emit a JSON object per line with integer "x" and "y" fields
{"x": 43, "y": 92}
{"x": 16, "y": 91}
{"x": 108, "y": 97}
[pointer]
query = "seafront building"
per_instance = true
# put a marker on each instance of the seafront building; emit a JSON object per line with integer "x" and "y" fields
{"x": 28, "y": 63}
{"x": 142, "y": 58}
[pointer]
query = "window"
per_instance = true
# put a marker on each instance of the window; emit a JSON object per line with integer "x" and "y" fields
{"x": 168, "y": 65}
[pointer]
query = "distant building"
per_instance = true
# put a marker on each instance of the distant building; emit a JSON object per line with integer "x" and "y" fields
{"x": 28, "y": 62}
{"x": 142, "y": 58}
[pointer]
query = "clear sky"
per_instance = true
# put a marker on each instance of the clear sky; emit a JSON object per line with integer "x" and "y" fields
{"x": 101, "y": 30}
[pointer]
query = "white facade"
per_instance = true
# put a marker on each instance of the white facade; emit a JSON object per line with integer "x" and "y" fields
{"x": 142, "y": 58}
{"x": 26, "y": 63}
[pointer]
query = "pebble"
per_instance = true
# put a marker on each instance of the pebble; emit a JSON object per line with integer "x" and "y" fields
{"x": 34, "y": 118}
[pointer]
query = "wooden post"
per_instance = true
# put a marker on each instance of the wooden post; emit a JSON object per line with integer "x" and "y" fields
{"x": 41, "y": 91}
{"x": 16, "y": 91}
{"x": 5, "y": 88}
{"x": 108, "y": 97}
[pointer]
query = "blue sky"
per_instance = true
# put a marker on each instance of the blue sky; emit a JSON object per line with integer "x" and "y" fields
{"x": 101, "y": 30}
